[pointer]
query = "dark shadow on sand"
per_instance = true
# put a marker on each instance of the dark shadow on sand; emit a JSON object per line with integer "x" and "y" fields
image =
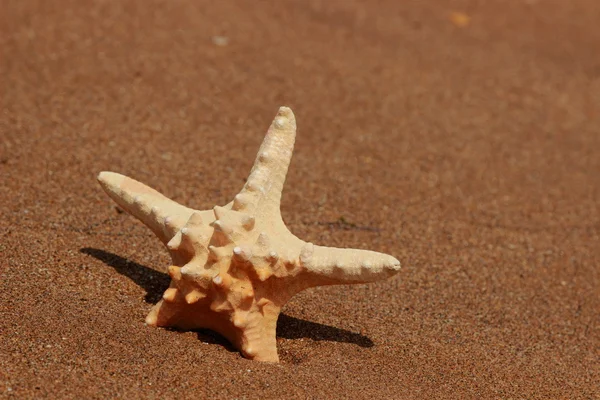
{"x": 155, "y": 283}
{"x": 295, "y": 328}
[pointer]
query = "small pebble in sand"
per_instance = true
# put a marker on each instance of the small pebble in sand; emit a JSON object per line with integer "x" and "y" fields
{"x": 220, "y": 41}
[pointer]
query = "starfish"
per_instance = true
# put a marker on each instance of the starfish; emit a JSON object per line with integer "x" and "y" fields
{"x": 234, "y": 267}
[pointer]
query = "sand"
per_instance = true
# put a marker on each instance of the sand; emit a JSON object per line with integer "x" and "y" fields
{"x": 460, "y": 136}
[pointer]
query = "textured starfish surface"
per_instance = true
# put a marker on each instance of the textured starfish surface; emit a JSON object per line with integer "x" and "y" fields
{"x": 234, "y": 267}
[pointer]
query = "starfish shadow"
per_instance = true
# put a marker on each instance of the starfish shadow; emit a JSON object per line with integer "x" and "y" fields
{"x": 295, "y": 328}
{"x": 155, "y": 283}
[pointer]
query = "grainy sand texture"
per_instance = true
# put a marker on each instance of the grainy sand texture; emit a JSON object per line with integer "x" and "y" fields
{"x": 462, "y": 137}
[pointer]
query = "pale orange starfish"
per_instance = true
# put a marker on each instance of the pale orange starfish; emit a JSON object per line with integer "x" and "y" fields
{"x": 234, "y": 267}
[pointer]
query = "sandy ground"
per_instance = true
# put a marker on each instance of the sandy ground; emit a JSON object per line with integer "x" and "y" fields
{"x": 460, "y": 136}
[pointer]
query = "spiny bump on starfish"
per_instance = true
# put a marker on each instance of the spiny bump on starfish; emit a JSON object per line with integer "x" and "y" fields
{"x": 235, "y": 266}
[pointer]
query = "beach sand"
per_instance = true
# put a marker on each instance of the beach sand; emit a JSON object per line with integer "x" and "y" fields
{"x": 462, "y": 137}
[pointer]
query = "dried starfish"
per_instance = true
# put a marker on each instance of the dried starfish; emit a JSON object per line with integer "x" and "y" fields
{"x": 234, "y": 267}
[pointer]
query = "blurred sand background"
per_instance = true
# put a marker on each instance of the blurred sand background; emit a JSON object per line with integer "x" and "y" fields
{"x": 463, "y": 137}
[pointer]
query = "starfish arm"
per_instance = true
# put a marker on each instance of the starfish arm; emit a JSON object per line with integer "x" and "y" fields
{"x": 334, "y": 266}
{"x": 163, "y": 216}
{"x": 252, "y": 330}
{"x": 261, "y": 195}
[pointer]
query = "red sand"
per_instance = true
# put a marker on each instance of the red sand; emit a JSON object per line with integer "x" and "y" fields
{"x": 469, "y": 148}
